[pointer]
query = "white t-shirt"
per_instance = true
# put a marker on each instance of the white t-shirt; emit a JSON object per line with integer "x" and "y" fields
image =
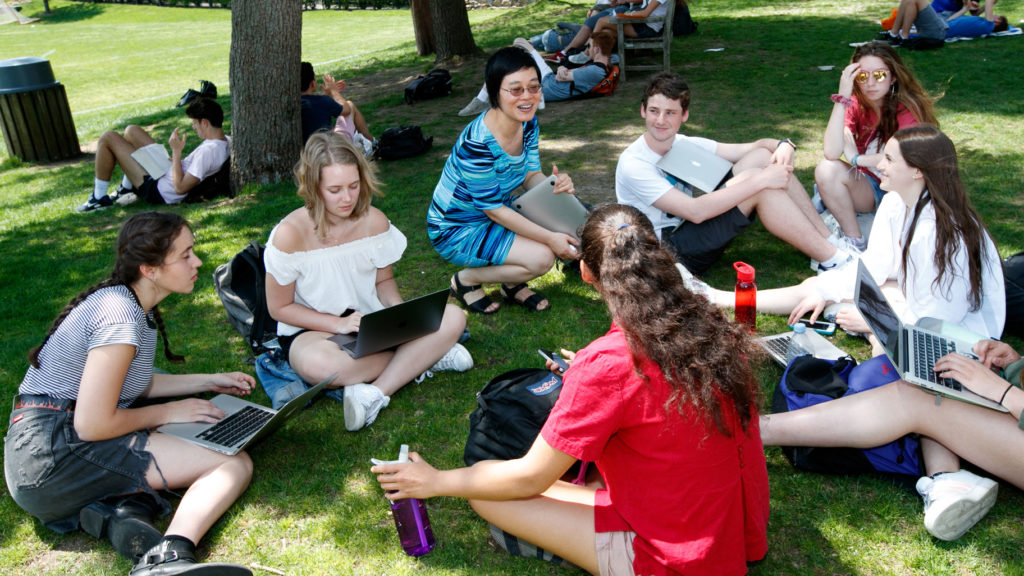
{"x": 202, "y": 163}
{"x": 334, "y": 279}
{"x": 640, "y": 183}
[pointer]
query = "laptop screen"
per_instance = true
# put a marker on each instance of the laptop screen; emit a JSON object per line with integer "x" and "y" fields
{"x": 877, "y": 312}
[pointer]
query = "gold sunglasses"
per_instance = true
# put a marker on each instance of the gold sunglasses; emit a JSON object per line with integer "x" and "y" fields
{"x": 880, "y": 76}
{"x": 518, "y": 90}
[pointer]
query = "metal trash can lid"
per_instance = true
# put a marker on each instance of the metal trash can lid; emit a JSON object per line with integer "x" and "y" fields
{"x": 25, "y": 74}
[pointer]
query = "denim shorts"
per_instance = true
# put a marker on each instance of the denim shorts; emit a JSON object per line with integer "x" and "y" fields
{"x": 52, "y": 474}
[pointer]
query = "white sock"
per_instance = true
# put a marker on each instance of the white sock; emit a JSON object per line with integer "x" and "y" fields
{"x": 99, "y": 189}
{"x": 836, "y": 258}
{"x": 126, "y": 184}
{"x": 834, "y": 240}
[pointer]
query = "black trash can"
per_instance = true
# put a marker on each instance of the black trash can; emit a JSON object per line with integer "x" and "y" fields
{"x": 34, "y": 112}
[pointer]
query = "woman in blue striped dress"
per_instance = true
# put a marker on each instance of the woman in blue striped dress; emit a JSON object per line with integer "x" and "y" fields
{"x": 470, "y": 221}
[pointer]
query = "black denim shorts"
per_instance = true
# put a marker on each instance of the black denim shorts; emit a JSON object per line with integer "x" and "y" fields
{"x": 52, "y": 474}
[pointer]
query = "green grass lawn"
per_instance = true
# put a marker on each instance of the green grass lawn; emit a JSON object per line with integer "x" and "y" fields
{"x": 313, "y": 507}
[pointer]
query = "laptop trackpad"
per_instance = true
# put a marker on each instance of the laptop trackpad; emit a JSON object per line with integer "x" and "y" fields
{"x": 346, "y": 342}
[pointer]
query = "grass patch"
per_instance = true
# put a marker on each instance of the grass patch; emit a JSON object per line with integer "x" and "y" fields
{"x": 313, "y": 507}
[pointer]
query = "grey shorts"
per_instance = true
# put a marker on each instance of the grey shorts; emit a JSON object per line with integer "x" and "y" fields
{"x": 52, "y": 474}
{"x": 699, "y": 246}
{"x": 615, "y": 553}
{"x": 930, "y": 25}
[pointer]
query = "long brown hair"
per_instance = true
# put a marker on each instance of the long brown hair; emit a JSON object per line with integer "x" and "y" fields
{"x": 906, "y": 91}
{"x": 703, "y": 355}
{"x": 325, "y": 149}
{"x": 145, "y": 239}
{"x": 957, "y": 225}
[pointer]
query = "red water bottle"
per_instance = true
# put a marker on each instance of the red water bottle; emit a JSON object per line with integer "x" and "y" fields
{"x": 746, "y": 295}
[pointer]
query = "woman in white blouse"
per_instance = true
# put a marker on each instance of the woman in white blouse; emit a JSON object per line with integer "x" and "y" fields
{"x": 328, "y": 263}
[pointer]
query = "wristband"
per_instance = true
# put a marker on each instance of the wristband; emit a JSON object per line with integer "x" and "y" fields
{"x": 840, "y": 99}
{"x": 853, "y": 160}
{"x": 1003, "y": 397}
{"x": 785, "y": 141}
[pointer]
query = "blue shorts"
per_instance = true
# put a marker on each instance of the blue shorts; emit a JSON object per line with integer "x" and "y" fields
{"x": 52, "y": 474}
{"x": 876, "y": 187}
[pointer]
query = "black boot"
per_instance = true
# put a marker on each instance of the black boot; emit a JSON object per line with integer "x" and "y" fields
{"x": 177, "y": 555}
{"x": 126, "y": 521}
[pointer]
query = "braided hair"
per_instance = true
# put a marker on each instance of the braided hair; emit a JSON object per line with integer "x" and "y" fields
{"x": 145, "y": 239}
{"x": 703, "y": 356}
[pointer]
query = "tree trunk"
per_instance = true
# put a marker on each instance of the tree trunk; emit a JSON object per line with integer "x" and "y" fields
{"x": 423, "y": 26}
{"x": 46, "y": 6}
{"x": 266, "y": 126}
{"x": 452, "y": 35}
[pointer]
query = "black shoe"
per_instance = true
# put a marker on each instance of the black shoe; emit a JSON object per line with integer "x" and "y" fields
{"x": 93, "y": 204}
{"x": 173, "y": 556}
{"x": 128, "y": 524}
{"x": 922, "y": 43}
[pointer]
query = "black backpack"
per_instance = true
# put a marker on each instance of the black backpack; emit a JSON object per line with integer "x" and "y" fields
{"x": 437, "y": 83}
{"x": 511, "y": 410}
{"x": 240, "y": 284}
{"x": 214, "y": 185}
{"x": 808, "y": 381}
{"x": 402, "y": 142}
{"x": 1013, "y": 273}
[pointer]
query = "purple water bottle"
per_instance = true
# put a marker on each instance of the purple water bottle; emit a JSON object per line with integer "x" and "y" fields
{"x": 411, "y": 520}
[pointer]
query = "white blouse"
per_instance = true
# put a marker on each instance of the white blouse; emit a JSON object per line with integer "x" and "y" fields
{"x": 337, "y": 278}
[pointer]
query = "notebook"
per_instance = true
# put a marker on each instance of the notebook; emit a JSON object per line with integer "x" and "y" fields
{"x": 704, "y": 171}
{"x": 912, "y": 349}
{"x": 557, "y": 212}
{"x": 245, "y": 423}
{"x": 154, "y": 160}
{"x": 776, "y": 346}
{"x": 394, "y": 325}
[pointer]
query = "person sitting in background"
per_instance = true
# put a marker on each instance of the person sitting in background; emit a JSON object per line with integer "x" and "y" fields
{"x": 935, "y": 20}
{"x": 699, "y": 228}
{"x": 665, "y": 404}
{"x": 563, "y": 83}
{"x": 331, "y": 110}
{"x": 172, "y": 186}
{"x": 594, "y": 15}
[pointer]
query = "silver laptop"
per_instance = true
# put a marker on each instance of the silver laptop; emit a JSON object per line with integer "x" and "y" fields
{"x": 702, "y": 170}
{"x": 557, "y": 212}
{"x": 394, "y": 325}
{"x": 777, "y": 345}
{"x": 245, "y": 423}
{"x": 912, "y": 350}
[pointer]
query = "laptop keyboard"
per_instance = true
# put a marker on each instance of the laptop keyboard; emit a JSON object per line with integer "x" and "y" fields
{"x": 777, "y": 346}
{"x": 928, "y": 349}
{"x": 236, "y": 427}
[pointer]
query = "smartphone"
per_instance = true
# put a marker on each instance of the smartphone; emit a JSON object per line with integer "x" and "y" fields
{"x": 554, "y": 357}
{"x": 819, "y": 326}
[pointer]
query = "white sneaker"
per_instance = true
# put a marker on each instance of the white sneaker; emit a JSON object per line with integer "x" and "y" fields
{"x": 126, "y": 198}
{"x": 694, "y": 284}
{"x": 839, "y": 261}
{"x": 955, "y": 501}
{"x": 362, "y": 403}
{"x": 458, "y": 359}
{"x": 475, "y": 107}
{"x": 854, "y": 246}
{"x": 579, "y": 58}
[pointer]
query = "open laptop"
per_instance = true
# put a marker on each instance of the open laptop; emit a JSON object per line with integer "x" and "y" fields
{"x": 394, "y": 325}
{"x": 245, "y": 423}
{"x": 557, "y": 212}
{"x": 912, "y": 350}
{"x": 777, "y": 345}
{"x": 704, "y": 171}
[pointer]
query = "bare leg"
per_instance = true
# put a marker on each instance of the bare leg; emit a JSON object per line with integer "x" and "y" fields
{"x": 987, "y": 438}
{"x": 526, "y": 260}
{"x": 114, "y": 148}
{"x": 937, "y": 458}
{"x": 561, "y": 523}
{"x": 579, "y": 39}
{"x": 845, "y": 192}
{"x": 214, "y": 482}
{"x": 413, "y": 358}
{"x": 785, "y": 220}
{"x": 356, "y": 117}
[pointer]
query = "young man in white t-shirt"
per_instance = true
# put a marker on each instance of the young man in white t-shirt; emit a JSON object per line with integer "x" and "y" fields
{"x": 184, "y": 173}
{"x": 698, "y": 230}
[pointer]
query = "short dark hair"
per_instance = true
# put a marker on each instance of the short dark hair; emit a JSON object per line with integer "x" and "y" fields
{"x": 307, "y": 75}
{"x": 669, "y": 85}
{"x": 206, "y": 109}
{"x": 508, "y": 60}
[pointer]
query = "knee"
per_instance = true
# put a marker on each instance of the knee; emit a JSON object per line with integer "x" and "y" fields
{"x": 133, "y": 130}
{"x": 454, "y": 320}
{"x": 542, "y": 262}
{"x": 827, "y": 174}
{"x": 241, "y": 468}
{"x": 107, "y": 138}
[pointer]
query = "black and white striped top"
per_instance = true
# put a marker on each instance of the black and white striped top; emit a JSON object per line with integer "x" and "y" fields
{"x": 108, "y": 316}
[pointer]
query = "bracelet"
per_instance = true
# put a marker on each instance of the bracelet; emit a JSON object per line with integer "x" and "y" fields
{"x": 1003, "y": 397}
{"x": 840, "y": 99}
{"x": 785, "y": 141}
{"x": 853, "y": 160}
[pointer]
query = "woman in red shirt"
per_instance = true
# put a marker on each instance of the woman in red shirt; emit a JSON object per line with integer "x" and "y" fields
{"x": 665, "y": 404}
{"x": 878, "y": 96}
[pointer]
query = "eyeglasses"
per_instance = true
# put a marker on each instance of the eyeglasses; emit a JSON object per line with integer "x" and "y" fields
{"x": 518, "y": 90}
{"x": 880, "y": 76}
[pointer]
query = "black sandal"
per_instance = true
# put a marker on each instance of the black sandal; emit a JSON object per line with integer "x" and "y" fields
{"x": 532, "y": 302}
{"x": 460, "y": 290}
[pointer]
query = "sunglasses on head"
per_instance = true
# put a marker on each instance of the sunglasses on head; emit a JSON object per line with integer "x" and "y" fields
{"x": 880, "y": 76}
{"x": 518, "y": 90}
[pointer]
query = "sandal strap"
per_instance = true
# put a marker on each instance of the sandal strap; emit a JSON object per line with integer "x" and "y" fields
{"x": 532, "y": 301}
